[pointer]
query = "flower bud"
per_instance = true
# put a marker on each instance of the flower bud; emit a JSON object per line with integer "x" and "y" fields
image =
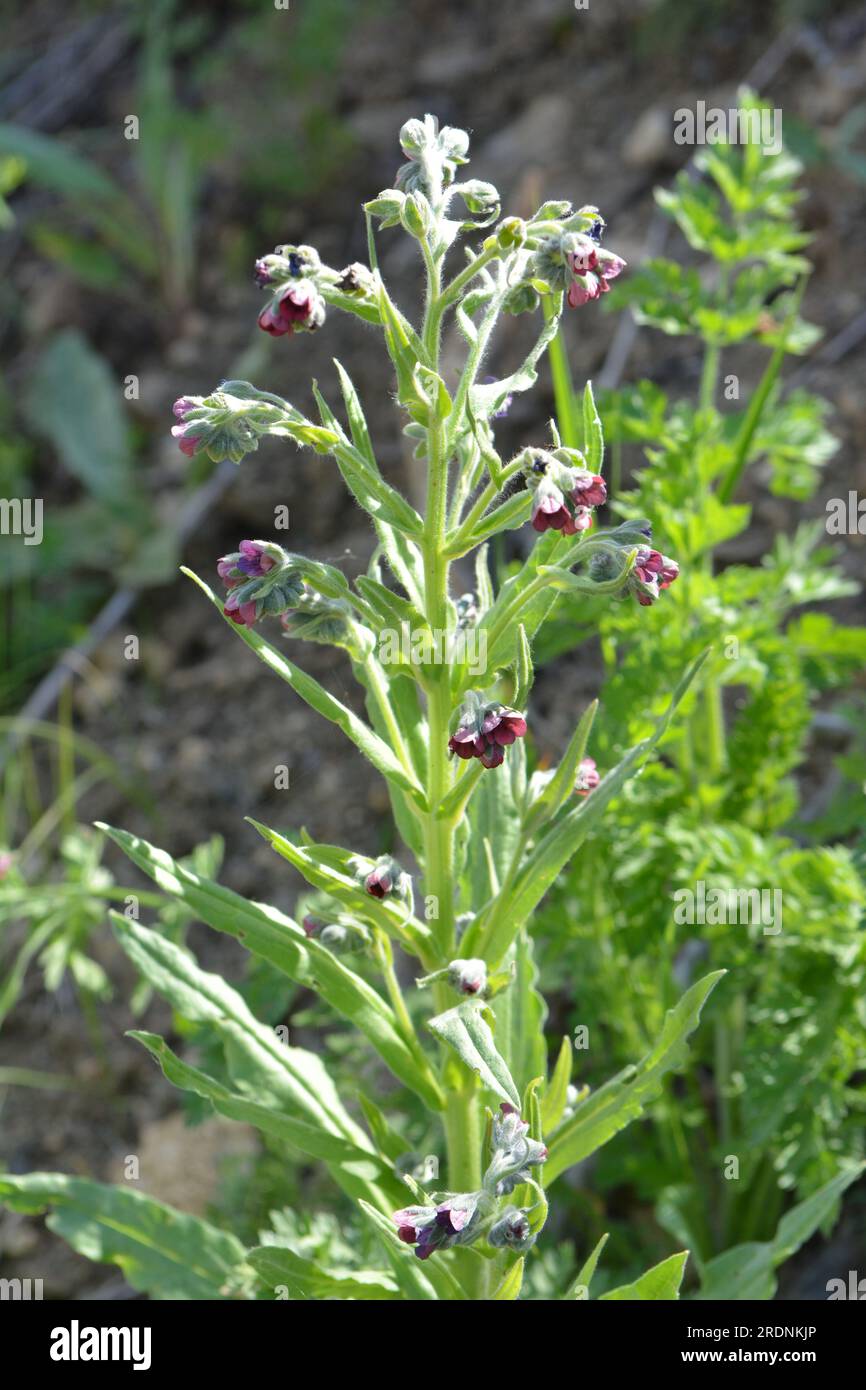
{"x": 468, "y": 976}
{"x": 385, "y": 877}
{"x": 522, "y": 298}
{"x": 511, "y": 233}
{"x": 514, "y": 1152}
{"x": 416, "y": 216}
{"x": 387, "y": 207}
{"x": 587, "y": 777}
{"x": 512, "y": 1230}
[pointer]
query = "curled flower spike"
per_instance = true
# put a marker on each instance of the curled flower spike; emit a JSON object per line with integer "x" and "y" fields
{"x": 485, "y": 731}
{"x": 652, "y": 572}
{"x": 587, "y": 777}
{"x": 514, "y": 1152}
{"x": 454, "y": 1221}
{"x": 570, "y": 259}
{"x": 260, "y": 579}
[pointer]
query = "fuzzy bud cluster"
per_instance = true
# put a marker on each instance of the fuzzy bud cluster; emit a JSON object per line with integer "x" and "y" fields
{"x": 261, "y": 579}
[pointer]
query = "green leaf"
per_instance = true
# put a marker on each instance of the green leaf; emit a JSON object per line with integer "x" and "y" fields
{"x": 561, "y": 785}
{"x": 284, "y": 1078}
{"x": 556, "y": 1093}
{"x": 374, "y": 748}
{"x": 661, "y": 1282}
{"x": 467, "y": 1032}
{"x": 329, "y": 868}
{"x": 274, "y": 937}
{"x": 160, "y": 1251}
{"x": 278, "y": 1267}
{"x": 509, "y": 1287}
{"x": 578, "y": 1289}
{"x": 621, "y": 1100}
{"x": 520, "y": 1015}
{"x": 307, "y": 1140}
{"x": 747, "y": 1271}
{"x": 493, "y": 931}
{"x": 74, "y": 401}
{"x": 593, "y": 436}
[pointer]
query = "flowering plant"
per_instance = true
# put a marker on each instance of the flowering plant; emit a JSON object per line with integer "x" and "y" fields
{"x": 485, "y": 840}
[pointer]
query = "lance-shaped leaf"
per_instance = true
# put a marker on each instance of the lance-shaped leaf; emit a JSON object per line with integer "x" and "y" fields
{"x": 520, "y": 1015}
{"x": 288, "y": 1077}
{"x": 593, "y": 437}
{"x": 608, "y": 1110}
{"x": 578, "y": 1289}
{"x": 346, "y": 1160}
{"x": 160, "y": 1251}
{"x": 492, "y": 933}
{"x": 279, "y": 1267}
{"x": 561, "y": 785}
{"x": 662, "y": 1282}
{"x": 748, "y": 1271}
{"x": 508, "y": 516}
{"x": 363, "y": 479}
{"x": 509, "y": 1287}
{"x": 329, "y": 868}
{"x": 466, "y": 1030}
{"x": 273, "y": 936}
{"x": 374, "y": 748}
{"x": 556, "y": 1091}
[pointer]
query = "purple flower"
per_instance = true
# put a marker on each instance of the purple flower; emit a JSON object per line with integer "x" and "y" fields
{"x": 296, "y": 306}
{"x": 593, "y": 282}
{"x": 652, "y": 572}
{"x": 244, "y": 614}
{"x": 5, "y": 865}
{"x": 485, "y": 731}
{"x": 452, "y": 1222}
{"x": 590, "y": 490}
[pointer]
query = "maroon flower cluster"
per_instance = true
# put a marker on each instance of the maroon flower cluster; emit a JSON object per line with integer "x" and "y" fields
{"x": 485, "y": 731}
{"x": 566, "y": 507}
{"x": 591, "y": 268}
{"x": 296, "y": 306}
{"x": 652, "y": 572}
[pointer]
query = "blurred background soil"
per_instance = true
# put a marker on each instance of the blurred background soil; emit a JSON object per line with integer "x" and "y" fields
{"x": 301, "y": 120}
